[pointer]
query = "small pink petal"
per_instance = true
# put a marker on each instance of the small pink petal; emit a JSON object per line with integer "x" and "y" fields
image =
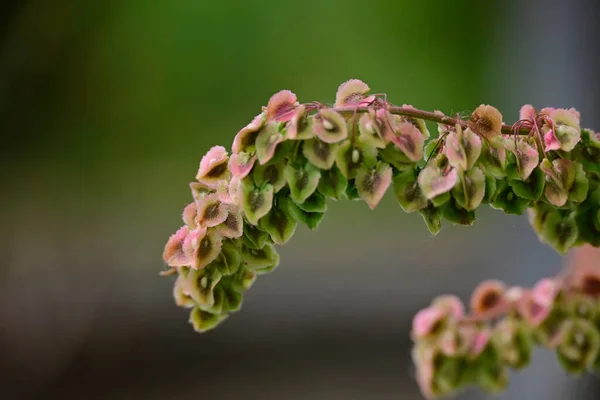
{"x": 480, "y": 342}
{"x": 174, "y": 254}
{"x": 247, "y": 135}
{"x": 550, "y": 141}
{"x": 409, "y": 139}
{"x": 488, "y": 298}
{"x": 189, "y": 215}
{"x": 544, "y": 292}
{"x": 425, "y": 321}
{"x": 452, "y": 305}
{"x": 240, "y": 164}
{"x": 527, "y": 112}
{"x": 281, "y": 106}
{"x": 211, "y": 212}
{"x": 213, "y": 166}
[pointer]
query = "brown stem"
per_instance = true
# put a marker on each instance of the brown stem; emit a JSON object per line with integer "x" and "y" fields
{"x": 429, "y": 116}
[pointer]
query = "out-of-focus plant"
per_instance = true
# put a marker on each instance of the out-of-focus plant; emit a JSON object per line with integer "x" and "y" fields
{"x": 292, "y": 158}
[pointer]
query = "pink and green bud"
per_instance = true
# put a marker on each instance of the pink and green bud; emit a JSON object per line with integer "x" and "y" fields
{"x": 281, "y": 106}
{"x": 300, "y": 126}
{"x": 434, "y": 180}
{"x": 488, "y": 299}
{"x": 190, "y": 212}
{"x": 373, "y": 183}
{"x": 463, "y": 148}
{"x": 493, "y": 158}
{"x": 199, "y": 190}
{"x": 330, "y": 126}
{"x": 396, "y": 157}
{"x": 486, "y": 121}
{"x": 527, "y": 157}
{"x": 469, "y": 192}
{"x": 369, "y": 130}
{"x": 210, "y": 211}
{"x": 428, "y": 322}
{"x": 527, "y": 113}
{"x": 452, "y": 305}
{"x": 409, "y": 140}
{"x": 233, "y": 226}
{"x": 203, "y": 321}
{"x": 333, "y": 183}
{"x": 246, "y": 137}
{"x": 419, "y": 123}
{"x": 181, "y": 294}
{"x": 240, "y": 164}
{"x": 353, "y": 93}
{"x": 202, "y": 247}
{"x": 408, "y": 192}
{"x": 279, "y": 223}
{"x": 302, "y": 180}
{"x": 319, "y": 153}
{"x": 213, "y": 167}
{"x": 560, "y": 176}
{"x": 174, "y": 254}
{"x": 256, "y": 201}
{"x": 565, "y": 129}
{"x": 267, "y": 141}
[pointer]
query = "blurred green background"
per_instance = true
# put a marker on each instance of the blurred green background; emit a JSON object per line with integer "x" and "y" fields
{"x": 106, "y": 108}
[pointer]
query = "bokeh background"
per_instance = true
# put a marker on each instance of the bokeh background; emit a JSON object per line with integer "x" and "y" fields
{"x": 106, "y": 108}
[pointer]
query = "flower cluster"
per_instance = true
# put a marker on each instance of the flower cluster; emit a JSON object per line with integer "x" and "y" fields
{"x": 454, "y": 349}
{"x": 292, "y": 158}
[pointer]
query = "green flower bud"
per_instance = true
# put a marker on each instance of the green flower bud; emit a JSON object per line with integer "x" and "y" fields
{"x": 256, "y": 201}
{"x": 230, "y": 259}
{"x": 491, "y": 186}
{"x": 408, "y": 192}
{"x": 491, "y": 375}
{"x": 514, "y": 342}
{"x": 588, "y": 151}
{"x": 581, "y": 306}
{"x": 469, "y": 192}
{"x": 392, "y": 155}
{"x": 311, "y": 219}
{"x": 203, "y": 321}
{"x": 372, "y": 184}
{"x": 561, "y": 231}
{"x": 350, "y": 157}
{"x": 579, "y": 346}
{"x": 581, "y": 186}
{"x": 254, "y": 237}
{"x": 368, "y": 129}
{"x": 279, "y": 223}
{"x": 333, "y": 183}
{"x": 316, "y": 202}
{"x": 531, "y": 188}
{"x": 508, "y": 201}
{"x": 243, "y": 279}
{"x": 271, "y": 174}
{"x": 262, "y": 260}
{"x": 587, "y": 227}
{"x": 319, "y": 153}
{"x": 201, "y": 284}
{"x": 302, "y": 180}
{"x": 433, "y": 218}
{"x": 453, "y": 212}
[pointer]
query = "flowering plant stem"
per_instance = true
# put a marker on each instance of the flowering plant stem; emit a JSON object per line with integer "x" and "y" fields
{"x": 292, "y": 159}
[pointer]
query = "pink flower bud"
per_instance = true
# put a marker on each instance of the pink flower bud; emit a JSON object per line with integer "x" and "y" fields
{"x": 240, "y": 164}
{"x": 174, "y": 254}
{"x": 281, "y": 106}
{"x": 353, "y": 92}
{"x": 213, "y": 167}
{"x": 527, "y": 112}
{"x": 427, "y": 321}
{"x": 488, "y": 298}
